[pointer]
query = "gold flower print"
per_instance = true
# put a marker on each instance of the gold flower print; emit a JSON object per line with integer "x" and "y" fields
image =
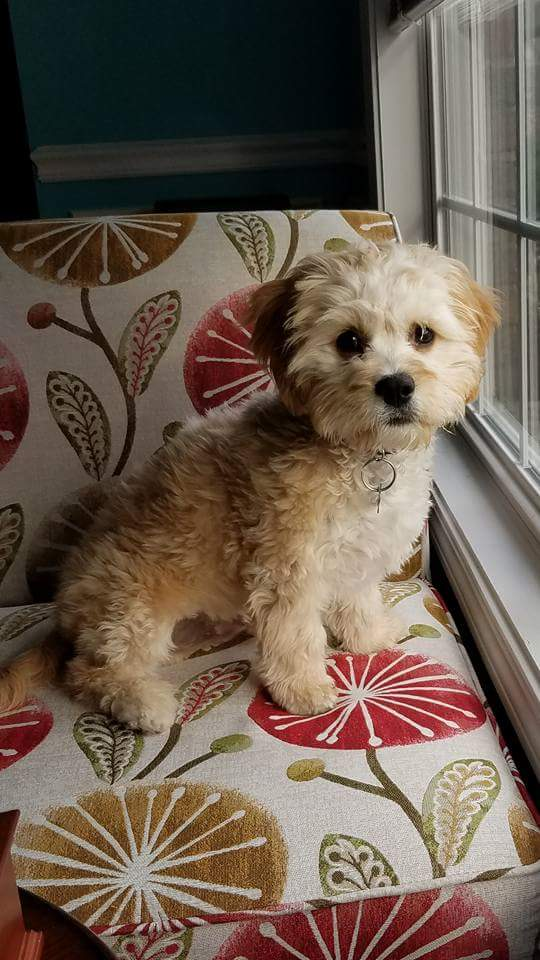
{"x": 372, "y": 226}
{"x": 143, "y": 854}
{"x": 412, "y": 567}
{"x": 95, "y": 251}
{"x": 525, "y": 833}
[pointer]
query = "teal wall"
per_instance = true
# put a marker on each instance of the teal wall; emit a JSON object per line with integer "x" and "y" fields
{"x": 112, "y": 70}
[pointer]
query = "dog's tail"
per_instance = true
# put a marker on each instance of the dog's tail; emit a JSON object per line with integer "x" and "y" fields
{"x": 36, "y": 666}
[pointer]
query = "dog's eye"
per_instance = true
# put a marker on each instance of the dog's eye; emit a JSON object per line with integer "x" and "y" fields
{"x": 350, "y": 343}
{"x": 423, "y": 335}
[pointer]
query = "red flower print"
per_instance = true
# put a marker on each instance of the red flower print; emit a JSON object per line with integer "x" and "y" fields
{"x": 13, "y": 405}
{"x": 385, "y": 700}
{"x": 21, "y": 729}
{"x": 219, "y": 367}
{"x": 446, "y": 924}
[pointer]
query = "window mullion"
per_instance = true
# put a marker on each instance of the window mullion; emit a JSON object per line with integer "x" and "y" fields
{"x": 479, "y": 198}
{"x": 479, "y": 185}
{"x": 438, "y": 122}
{"x": 521, "y": 91}
{"x": 497, "y": 218}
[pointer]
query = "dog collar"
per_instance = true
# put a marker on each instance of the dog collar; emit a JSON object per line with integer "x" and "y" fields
{"x": 378, "y": 474}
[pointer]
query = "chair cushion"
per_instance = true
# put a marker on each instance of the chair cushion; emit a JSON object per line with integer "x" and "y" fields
{"x": 392, "y": 827}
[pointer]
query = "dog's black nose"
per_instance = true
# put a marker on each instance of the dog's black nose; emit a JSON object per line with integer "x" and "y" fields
{"x": 396, "y": 390}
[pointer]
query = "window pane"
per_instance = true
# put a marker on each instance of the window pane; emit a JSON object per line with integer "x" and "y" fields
{"x": 532, "y": 79}
{"x": 500, "y": 254}
{"x": 534, "y": 353}
{"x": 459, "y": 165}
{"x": 497, "y": 37}
{"x": 460, "y": 233}
{"x": 479, "y": 92}
{"x": 486, "y": 58}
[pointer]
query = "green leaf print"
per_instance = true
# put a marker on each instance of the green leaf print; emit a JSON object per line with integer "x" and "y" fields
{"x": 337, "y": 244}
{"x": 11, "y": 534}
{"x": 395, "y": 592}
{"x": 146, "y": 338}
{"x": 253, "y": 238}
{"x": 196, "y": 697}
{"x": 111, "y": 747}
{"x": 348, "y": 865}
{"x": 82, "y": 419}
{"x": 20, "y": 620}
{"x": 455, "y": 802}
{"x": 423, "y": 630}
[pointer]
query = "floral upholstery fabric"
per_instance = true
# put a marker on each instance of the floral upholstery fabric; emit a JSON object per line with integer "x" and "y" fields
{"x": 395, "y": 826}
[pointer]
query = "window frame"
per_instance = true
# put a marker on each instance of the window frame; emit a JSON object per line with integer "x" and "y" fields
{"x": 512, "y": 473}
{"x": 485, "y": 525}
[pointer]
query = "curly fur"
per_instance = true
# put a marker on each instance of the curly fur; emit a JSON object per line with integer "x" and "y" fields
{"x": 260, "y": 510}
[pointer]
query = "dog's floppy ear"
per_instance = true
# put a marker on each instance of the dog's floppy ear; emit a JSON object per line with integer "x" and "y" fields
{"x": 271, "y": 306}
{"x": 477, "y": 308}
{"x": 271, "y": 315}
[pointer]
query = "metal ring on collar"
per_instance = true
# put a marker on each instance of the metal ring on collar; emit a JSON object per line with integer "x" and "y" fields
{"x": 379, "y": 486}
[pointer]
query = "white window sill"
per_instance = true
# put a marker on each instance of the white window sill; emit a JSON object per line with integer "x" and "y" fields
{"x": 494, "y": 569}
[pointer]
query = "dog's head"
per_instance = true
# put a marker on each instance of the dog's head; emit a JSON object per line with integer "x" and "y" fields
{"x": 375, "y": 344}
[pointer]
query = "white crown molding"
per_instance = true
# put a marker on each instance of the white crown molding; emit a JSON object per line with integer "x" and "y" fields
{"x": 161, "y": 158}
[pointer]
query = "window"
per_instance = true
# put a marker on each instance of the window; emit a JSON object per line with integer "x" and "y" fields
{"x": 455, "y": 144}
{"x": 485, "y": 85}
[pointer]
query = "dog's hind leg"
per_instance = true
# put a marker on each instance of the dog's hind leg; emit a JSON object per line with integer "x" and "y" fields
{"x": 117, "y": 663}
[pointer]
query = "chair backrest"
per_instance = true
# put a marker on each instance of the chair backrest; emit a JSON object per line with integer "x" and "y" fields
{"x": 112, "y": 331}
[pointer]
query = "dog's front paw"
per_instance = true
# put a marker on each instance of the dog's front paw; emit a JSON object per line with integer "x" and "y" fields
{"x": 150, "y": 706}
{"x": 305, "y": 697}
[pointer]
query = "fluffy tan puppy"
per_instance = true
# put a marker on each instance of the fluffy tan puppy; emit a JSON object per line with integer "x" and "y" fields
{"x": 271, "y": 510}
